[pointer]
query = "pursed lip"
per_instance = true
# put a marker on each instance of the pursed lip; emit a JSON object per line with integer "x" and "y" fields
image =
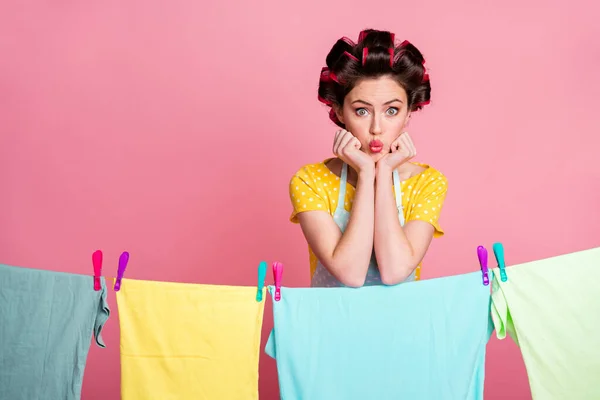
{"x": 375, "y": 146}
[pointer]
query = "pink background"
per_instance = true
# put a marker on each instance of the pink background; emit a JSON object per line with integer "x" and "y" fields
{"x": 171, "y": 130}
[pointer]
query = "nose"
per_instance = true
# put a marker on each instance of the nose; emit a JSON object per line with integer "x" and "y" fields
{"x": 375, "y": 125}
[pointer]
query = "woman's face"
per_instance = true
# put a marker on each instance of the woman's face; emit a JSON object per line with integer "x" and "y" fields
{"x": 375, "y": 111}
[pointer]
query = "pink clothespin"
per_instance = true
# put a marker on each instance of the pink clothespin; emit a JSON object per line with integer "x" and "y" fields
{"x": 482, "y": 254}
{"x": 97, "y": 263}
{"x": 123, "y": 260}
{"x": 277, "y": 271}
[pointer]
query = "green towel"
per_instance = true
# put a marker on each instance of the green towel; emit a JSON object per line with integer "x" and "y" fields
{"x": 551, "y": 309}
{"x": 46, "y": 323}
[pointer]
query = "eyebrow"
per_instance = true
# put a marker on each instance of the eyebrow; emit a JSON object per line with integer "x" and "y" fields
{"x": 369, "y": 104}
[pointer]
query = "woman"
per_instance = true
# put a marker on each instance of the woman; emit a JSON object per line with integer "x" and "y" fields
{"x": 369, "y": 214}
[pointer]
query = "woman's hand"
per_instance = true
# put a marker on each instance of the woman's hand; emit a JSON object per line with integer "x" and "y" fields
{"x": 401, "y": 151}
{"x": 347, "y": 147}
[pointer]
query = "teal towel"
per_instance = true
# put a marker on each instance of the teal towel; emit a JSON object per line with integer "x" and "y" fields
{"x": 46, "y": 323}
{"x": 417, "y": 340}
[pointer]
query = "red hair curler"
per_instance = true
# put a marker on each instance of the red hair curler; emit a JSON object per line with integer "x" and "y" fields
{"x": 351, "y": 56}
{"x": 349, "y": 41}
{"x": 323, "y": 100}
{"x": 333, "y": 116}
{"x": 362, "y": 36}
{"x": 333, "y": 77}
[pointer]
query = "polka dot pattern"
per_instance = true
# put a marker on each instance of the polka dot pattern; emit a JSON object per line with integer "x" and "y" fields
{"x": 316, "y": 188}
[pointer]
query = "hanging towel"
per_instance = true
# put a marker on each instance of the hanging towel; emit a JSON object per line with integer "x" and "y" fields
{"x": 46, "y": 323}
{"x": 188, "y": 341}
{"x": 418, "y": 340}
{"x": 551, "y": 309}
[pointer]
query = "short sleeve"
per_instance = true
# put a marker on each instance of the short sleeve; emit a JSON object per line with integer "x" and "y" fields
{"x": 428, "y": 204}
{"x": 304, "y": 197}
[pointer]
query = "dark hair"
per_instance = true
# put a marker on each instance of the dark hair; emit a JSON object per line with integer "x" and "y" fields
{"x": 374, "y": 55}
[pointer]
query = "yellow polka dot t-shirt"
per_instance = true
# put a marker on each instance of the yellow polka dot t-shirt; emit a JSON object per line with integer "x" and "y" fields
{"x": 316, "y": 188}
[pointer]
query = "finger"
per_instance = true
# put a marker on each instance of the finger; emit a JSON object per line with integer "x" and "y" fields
{"x": 339, "y": 138}
{"x": 411, "y": 144}
{"x": 335, "y": 138}
{"x": 345, "y": 140}
{"x": 396, "y": 145}
{"x": 336, "y": 144}
{"x": 355, "y": 142}
{"x": 413, "y": 148}
{"x": 406, "y": 145}
{"x": 400, "y": 143}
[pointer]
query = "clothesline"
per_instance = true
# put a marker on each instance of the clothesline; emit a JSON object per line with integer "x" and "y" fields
{"x": 424, "y": 339}
{"x": 482, "y": 255}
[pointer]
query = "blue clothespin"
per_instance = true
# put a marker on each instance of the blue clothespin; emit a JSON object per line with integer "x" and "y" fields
{"x": 499, "y": 253}
{"x": 262, "y": 273}
{"x": 482, "y": 254}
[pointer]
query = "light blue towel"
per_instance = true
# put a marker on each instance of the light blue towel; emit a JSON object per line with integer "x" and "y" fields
{"x": 46, "y": 323}
{"x": 419, "y": 341}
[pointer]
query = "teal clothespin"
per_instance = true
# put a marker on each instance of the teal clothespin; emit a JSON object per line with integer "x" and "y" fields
{"x": 262, "y": 273}
{"x": 499, "y": 253}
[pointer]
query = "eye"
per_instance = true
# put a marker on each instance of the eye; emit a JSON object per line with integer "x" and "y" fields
{"x": 361, "y": 112}
{"x": 392, "y": 111}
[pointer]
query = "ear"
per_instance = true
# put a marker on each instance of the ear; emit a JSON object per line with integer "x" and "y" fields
{"x": 407, "y": 118}
{"x": 339, "y": 112}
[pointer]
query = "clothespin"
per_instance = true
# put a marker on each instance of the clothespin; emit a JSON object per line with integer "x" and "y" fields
{"x": 482, "y": 254}
{"x": 499, "y": 253}
{"x": 97, "y": 263}
{"x": 262, "y": 273}
{"x": 123, "y": 260}
{"x": 277, "y": 271}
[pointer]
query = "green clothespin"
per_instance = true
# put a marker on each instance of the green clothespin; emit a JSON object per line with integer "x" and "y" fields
{"x": 262, "y": 273}
{"x": 499, "y": 253}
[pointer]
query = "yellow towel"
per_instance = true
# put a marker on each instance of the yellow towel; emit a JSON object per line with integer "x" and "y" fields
{"x": 188, "y": 341}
